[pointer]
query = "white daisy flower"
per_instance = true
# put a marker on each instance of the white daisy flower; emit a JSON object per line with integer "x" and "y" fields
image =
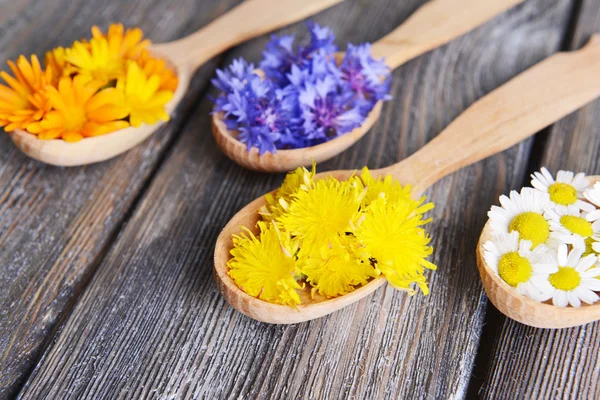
{"x": 522, "y": 212}
{"x": 570, "y": 226}
{"x": 576, "y": 279}
{"x": 518, "y": 265}
{"x": 593, "y": 196}
{"x": 566, "y": 191}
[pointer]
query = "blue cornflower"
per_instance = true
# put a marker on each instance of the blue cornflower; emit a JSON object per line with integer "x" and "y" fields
{"x": 279, "y": 55}
{"x": 305, "y": 98}
{"x": 326, "y": 111}
{"x": 256, "y": 108}
{"x": 322, "y": 39}
{"x": 368, "y": 78}
{"x": 278, "y": 58}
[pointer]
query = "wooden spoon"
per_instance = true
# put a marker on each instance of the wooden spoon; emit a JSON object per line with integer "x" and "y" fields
{"x": 526, "y": 104}
{"x": 250, "y": 19}
{"x": 432, "y": 25}
{"x": 523, "y": 309}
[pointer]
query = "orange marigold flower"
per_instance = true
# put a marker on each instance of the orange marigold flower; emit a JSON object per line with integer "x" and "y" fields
{"x": 55, "y": 60}
{"x": 157, "y": 66}
{"x": 24, "y": 101}
{"x": 124, "y": 43}
{"x": 79, "y": 110}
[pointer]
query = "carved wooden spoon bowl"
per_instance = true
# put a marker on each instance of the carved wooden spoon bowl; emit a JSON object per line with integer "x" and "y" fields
{"x": 523, "y": 309}
{"x": 248, "y": 20}
{"x": 547, "y": 92}
{"x": 434, "y": 24}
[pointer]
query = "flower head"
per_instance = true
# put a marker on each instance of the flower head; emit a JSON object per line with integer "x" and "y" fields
{"x": 24, "y": 100}
{"x": 143, "y": 98}
{"x": 522, "y": 212}
{"x": 384, "y": 186}
{"x": 326, "y": 112}
{"x": 575, "y": 280}
{"x": 518, "y": 265}
{"x": 264, "y": 266}
{"x": 105, "y": 57}
{"x": 570, "y": 226}
{"x": 259, "y": 111}
{"x": 125, "y": 44}
{"x": 280, "y": 56}
{"x": 368, "y": 78}
{"x": 392, "y": 235}
{"x": 318, "y": 217}
{"x": 338, "y": 269}
{"x": 277, "y": 204}
{"x": 564, "y": 192}
{"x": 56, "y": 62}
{"x": 79, "y": 110}
{"x": 157, "y": 66}
{"x": 95, "y": 60}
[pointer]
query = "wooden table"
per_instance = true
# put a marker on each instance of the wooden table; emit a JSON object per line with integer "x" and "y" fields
{"x": 106, "y": 270}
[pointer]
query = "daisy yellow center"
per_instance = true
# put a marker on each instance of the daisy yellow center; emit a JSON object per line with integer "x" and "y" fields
{"x": 562, "y": 194}
{"x": 514, "y": 269}
{"x": 531, "y": 226}
{"x": 589, "y": 249}
{"x": 567, "y": 279}
{"x": 577, "y": 225}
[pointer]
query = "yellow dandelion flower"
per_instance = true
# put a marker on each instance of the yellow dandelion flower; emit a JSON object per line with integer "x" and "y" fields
{"x": 387, "y": 186}
{"x": 96, "y": 60}
{"x": 23, "y": 101}
{"x": 265, "y": 267}
{"x": 319, "y": 216}
{"x": 392, "y": 234}
{"x": 80, "y": 110}
{"x": 125, "y": 44}
{"x": 144, "y": 100}
{"x": 339, "y": 269}
{"x": 157, "y": 66}
{"x": 299, "y": 179}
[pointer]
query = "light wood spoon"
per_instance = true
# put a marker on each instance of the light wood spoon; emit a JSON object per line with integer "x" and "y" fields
{"x": 526, "y": 104}
{"x": 434, "y": 24}
{"x": 250, "y": 19}
{"x": 523, "y": 309}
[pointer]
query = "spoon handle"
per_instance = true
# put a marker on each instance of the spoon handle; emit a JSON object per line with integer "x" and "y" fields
{"x": 434, "y": 24}
{"x": 523, "y": 106}
{"x": 248, "y": 20}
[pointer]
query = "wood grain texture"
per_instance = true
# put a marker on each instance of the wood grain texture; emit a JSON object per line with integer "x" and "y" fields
{"x": 55, "y": 224}
{"x": 151, "y": 324}
{"x": 551, "y": 364}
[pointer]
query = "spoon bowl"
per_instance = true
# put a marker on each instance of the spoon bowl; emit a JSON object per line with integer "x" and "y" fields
{"x": 434, "y": 24}
{"x": 547, "y": 93}
{"x": 311, "y": 307}
{"x": 250, "y": 19}
{"x": 286, "y": 160}
{"x": 99, "y": 148}
{"x": 522, "y": 309}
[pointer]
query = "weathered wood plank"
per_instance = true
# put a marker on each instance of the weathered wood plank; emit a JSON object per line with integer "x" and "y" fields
{"x": 151, "y": 324}
{"x": 542, "y": 363}
{"x": 56, "y": 223}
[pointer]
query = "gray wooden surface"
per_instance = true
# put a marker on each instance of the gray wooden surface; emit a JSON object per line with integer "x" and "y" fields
{"x": 108, "y": 267}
